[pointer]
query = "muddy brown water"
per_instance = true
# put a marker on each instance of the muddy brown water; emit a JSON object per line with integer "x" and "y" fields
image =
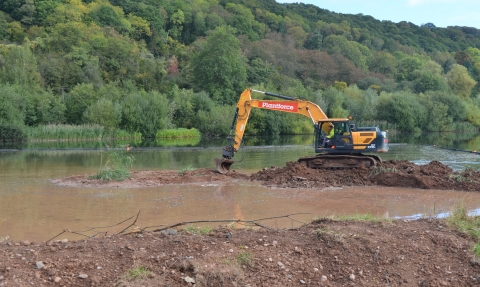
{"x": 33, "y": 208}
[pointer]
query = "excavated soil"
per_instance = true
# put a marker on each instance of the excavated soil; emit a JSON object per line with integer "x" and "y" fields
{"x": 424, "y": 252}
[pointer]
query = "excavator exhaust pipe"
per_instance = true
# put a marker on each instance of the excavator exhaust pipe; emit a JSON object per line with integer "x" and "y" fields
{"x": 222, "y": 165}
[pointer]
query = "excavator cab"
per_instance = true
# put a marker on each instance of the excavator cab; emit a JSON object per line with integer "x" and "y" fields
{"x": 341, "y": 140}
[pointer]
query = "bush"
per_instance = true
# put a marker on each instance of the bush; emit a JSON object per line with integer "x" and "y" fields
{"x": 10, "y": 133}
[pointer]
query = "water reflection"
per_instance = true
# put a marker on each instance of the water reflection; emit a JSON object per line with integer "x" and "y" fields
{"x": 467, "y": 141}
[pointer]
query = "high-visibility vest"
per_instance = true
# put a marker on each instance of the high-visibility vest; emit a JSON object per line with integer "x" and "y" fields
{"x": 331, "y": 134}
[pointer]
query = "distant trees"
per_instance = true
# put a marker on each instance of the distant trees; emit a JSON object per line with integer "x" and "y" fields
{"x": 144, "y": 65}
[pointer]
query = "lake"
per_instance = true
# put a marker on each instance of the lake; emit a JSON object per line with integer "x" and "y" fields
{"x": 33, "y": 208}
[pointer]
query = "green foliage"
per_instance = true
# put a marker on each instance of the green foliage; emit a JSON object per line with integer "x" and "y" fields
{"x": 104, "y": 113}
{"x": 144, "y": 112}
{"x": 76, "y": 54}
{"x": 404, "y": 110}
{"x": 460, "y": 81}
{"x": 9, "y": 133}
{"x": 116, "y": 167}
{"x": 219, "y": 68}
{"x": 216, "y": 122}
{"x": 358, "y": 217}
{"x": 178, "y": 133}
{"x": 244, "y": 258}
{"x": 460, "y": 220}
{"x": 12, "y": 106}
{"x": 19, "y": 66}
{"x": 77, "y": 101}
{"x": 137, "y": 273}
{"x": 64, "y": 132}
{"x": 198, "y": 230}
{"x": 105, "y": 15}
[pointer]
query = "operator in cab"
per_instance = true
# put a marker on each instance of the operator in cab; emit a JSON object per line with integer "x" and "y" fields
{"x": 330, "y": 136}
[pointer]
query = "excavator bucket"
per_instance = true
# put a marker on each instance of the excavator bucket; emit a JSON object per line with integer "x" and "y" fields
{"x": 222, "y": 165}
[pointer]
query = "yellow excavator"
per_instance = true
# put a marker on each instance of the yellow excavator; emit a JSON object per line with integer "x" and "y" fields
{"x": 342, "y": 148}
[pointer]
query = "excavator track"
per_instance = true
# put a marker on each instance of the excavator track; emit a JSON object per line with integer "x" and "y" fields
{"x": 340, "y": 161}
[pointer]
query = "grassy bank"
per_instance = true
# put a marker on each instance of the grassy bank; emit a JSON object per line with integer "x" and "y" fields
{"x": 178, "y": 133}
{"x": 72, "y": 133}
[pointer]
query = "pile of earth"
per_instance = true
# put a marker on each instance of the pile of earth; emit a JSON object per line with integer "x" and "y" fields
{"x": 434, "y": 175}
{"x": 424, "y": 252}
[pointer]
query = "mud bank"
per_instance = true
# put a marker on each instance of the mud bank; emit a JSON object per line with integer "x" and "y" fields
{"x": 434, "y": 175}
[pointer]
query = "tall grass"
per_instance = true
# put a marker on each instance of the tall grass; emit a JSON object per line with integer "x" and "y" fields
{"x": 72, "y": 133}
{"x": 116, "y": 168}
{"x": 460, "y": 220}
{"x": 178, "y": 133}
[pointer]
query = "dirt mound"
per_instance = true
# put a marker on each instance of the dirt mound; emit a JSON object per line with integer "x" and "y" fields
{"x": 323, "y": 253}
{"x": 434, "y": 175}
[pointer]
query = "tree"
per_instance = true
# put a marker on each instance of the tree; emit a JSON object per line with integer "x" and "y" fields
{"x": 144, "y": 112}
{"x": 77, "y": 101}
{"x": 104, "y": 113}
{"x": 384, "y": 63}
{"x": 220, "y": 68}
{"x": 459, "y": 81}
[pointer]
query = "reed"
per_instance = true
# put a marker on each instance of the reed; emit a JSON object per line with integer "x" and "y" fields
{"x": 73, "y": 132}
{"x": 178, "y": 133}
{"x": 116, "y": 168}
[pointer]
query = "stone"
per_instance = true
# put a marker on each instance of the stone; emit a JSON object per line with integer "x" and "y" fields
{"x": 298, "y": 250}
{"x": 189, "y": 279}
{"x": 83, "y": 276}
{"x": 40, "y": 265}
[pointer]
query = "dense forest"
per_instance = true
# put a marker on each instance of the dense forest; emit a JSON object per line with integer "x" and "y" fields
{"x": 141, "y": 66}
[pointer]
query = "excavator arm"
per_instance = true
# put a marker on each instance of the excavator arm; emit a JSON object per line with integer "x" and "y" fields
{"x": 242, "y": 114}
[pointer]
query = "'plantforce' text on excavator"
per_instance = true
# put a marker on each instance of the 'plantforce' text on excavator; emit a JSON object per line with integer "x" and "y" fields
{"x": 343, "y": 149}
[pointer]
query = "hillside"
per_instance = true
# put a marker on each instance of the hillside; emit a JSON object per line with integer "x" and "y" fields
{"x": 121, "y": 63}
